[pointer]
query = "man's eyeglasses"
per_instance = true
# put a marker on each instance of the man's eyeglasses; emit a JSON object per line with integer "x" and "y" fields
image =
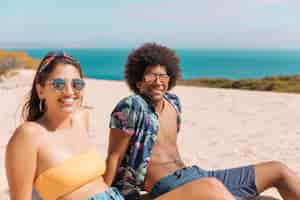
{"x": 51, "y": 56}
{"x": 151, "y": 77}
{"x": 59, "y": 84}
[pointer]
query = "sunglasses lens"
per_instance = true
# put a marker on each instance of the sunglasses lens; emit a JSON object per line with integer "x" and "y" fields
{"x": 149, "y": 77}
{"x": 78, "y": 84}
{"x": 152, "y": 77}
{"x": 164, "y": 78}
{"x": 58, "y": 84}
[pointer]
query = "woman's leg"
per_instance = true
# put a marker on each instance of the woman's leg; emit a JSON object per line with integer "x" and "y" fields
{"x": 205, "y": 188}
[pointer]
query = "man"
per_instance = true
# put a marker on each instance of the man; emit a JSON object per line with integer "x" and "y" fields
{"x": 143, "y": 151}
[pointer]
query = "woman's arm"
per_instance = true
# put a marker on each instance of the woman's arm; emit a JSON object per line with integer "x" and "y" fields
{"x": 21, "y": 162}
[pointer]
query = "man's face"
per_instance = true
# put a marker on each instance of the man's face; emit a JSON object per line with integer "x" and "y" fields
{"x": 155, "y": 83}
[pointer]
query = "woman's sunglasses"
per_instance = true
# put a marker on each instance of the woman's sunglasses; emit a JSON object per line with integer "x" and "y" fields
{"x": 59, "y": 84}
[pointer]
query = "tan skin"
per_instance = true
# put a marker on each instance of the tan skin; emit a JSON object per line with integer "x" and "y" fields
{"x": 165, "y": 157}
{"x": 60, "y": 134}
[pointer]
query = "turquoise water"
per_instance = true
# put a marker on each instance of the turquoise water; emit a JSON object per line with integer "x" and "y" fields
{"x": 108, "y": 64}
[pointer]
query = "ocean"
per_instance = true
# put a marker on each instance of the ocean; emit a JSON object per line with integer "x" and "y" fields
{"x": 108, "y": 64}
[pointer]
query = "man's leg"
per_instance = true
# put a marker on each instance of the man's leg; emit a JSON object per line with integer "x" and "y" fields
{"x": 205, "y": 188}
{"x": 239, "y": 181}
{"x": 276, "y": 174}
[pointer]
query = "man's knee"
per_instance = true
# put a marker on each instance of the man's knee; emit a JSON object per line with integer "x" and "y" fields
{"x": 281, "y": 170}
{"x": 280, "y": 167}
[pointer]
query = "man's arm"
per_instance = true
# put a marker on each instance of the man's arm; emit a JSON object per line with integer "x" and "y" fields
{"x": 118, "y": 144}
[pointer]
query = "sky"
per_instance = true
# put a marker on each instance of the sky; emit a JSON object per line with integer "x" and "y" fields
{"x": 126, "y": 24}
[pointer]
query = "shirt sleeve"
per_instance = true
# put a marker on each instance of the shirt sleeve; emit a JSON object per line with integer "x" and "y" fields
{"x": 175, "y": 101}
{"x": 179, "y": 116}
{"x": 124, "y": 117}
{"x": 178, "y": 103}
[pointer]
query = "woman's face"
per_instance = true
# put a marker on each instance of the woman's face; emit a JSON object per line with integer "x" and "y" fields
{"x": 63, "y": 89}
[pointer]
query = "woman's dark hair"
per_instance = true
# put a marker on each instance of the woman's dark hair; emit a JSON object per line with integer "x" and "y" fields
{"x": 34, "y": 107}
{"x": 151, "y": 54}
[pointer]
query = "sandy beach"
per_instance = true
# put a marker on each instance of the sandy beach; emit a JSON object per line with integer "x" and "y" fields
{"x": 221, "y": 128}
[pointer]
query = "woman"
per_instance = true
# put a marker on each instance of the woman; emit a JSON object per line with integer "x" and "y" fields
{"x": 50, "y": 152}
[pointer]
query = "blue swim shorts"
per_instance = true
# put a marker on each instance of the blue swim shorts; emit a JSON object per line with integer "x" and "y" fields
{"x": 239, "y": 181}
{"x": 110, "y": 194}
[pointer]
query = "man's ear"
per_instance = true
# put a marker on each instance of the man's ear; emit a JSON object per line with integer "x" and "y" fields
{"x": 39, "y": 90}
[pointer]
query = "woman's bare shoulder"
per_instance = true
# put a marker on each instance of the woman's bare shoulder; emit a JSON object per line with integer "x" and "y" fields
{"x": 28, "y": 133}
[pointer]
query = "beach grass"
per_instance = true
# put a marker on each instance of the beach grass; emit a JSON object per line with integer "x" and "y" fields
{"x": 16, "y": 59}
{"x": 12, "y": 61}
{"x": 290, "y": 84}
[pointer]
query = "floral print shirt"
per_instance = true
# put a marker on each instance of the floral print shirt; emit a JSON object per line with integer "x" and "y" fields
{"x": 135, "y": 116}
